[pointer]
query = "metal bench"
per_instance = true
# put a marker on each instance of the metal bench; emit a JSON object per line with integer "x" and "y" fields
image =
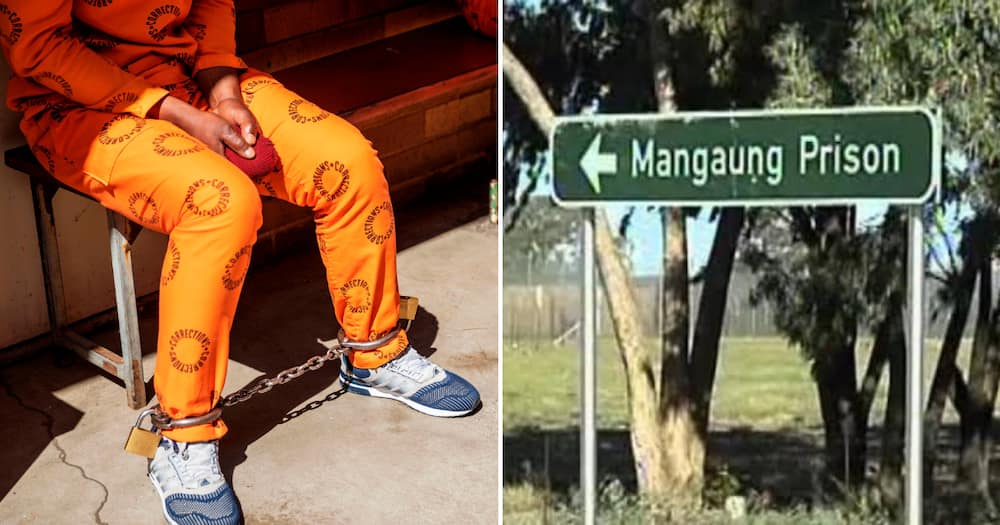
{"x": 121, "y": 234}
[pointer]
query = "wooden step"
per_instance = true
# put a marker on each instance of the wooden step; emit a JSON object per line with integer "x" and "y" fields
{"x": 278, "y": 35}
{"x": 391, "y": 67}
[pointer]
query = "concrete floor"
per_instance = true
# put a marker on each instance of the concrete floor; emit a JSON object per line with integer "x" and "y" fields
{"x": 301, "y": 453}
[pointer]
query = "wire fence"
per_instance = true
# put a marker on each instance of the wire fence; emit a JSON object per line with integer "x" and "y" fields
{"x": 549, "y": 309}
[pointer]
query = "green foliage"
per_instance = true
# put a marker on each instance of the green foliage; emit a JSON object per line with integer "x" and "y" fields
{"x": 942, "y": 54}
{"x": 799, "y": 82}
{"x": 816, "y": 294}
{"x": 581, "y": 55}
{"x": 720, "y": 484}
{"x": 545, "y": 235}
{"x": 820, "y": 290}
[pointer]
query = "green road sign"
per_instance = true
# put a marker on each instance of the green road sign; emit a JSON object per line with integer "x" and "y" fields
{"x": 748, "y": 158}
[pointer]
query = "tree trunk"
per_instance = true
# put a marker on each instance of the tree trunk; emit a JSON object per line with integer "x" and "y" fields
{"x": 946, "y": 373}
{"x": 679, "y": 475}
{"x": 669, "y": 458}
{"x": 835, "y": 368}
{"x": 873, "y": 373}
{"x": 669, "y": 455}
{"x": 679, "y": 439}
{"x": 674, "y": 301}
{"x": 984, "y": 372}
{"x": 712, "y": 312}
{"x": 890, "y": 474}
{"x": 844, "y": 432}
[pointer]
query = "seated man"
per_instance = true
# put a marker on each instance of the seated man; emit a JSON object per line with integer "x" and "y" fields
{"x": 133, "y": 104}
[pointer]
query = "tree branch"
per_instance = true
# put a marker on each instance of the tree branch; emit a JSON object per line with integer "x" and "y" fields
{"x": 526, "y": 89}
{"x": 938, "y": 277}
{"x": 617, "y": 285}
{"x": 803, "y": 223}
{"x": 523, "y": 84}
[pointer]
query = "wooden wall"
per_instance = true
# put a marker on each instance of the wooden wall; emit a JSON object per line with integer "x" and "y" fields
{"x": 273, "y": 34}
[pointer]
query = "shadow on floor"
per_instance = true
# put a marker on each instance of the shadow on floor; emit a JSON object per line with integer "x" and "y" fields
{"x": 276, "y": 350}
{"x": 30, "y": 415}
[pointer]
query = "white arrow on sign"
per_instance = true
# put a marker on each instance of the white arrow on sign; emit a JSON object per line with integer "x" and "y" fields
{"x": 594, "y": 163}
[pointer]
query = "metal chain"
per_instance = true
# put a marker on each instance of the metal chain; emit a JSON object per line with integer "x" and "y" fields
{"x": 163, "y": 422}
{"x": 313, "y": 363}
{"x": 334, "y": 349}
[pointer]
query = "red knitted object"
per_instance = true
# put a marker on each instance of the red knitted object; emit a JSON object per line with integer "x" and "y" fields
{"x": 260, "y": 165}
{"x": 481, "y": 15}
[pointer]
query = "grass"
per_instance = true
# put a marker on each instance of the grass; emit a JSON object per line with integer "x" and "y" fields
{"x": 765, "y": 417}
{"x": 526, "y": 505}
{"x": 761, "y": 383}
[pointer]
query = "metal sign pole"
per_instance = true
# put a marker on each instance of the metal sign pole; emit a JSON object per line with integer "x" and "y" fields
{"x": 914, "y": 367}
{"x": 588, "y": 378}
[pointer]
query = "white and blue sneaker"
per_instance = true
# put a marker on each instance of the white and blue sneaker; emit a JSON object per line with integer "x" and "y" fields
{"x": 413, "y": 380}
{"x": 190, "y": 484}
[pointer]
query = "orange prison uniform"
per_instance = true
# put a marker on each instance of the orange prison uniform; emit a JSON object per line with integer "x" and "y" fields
{"x": 85, "y": 74}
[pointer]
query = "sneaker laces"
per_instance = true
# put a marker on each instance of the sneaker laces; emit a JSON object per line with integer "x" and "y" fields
{"x": 413, "y": 365}
{"x": 201, "y": 462}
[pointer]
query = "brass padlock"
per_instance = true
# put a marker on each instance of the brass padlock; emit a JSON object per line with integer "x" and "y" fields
{"x": 141, "y": 441}
{"x": 408, "y": 307}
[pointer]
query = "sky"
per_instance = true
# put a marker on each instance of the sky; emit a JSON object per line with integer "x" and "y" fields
{"x": 646, "y": 230}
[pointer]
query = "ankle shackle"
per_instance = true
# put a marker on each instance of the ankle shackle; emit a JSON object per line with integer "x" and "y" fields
{"x": 164, "y": 422}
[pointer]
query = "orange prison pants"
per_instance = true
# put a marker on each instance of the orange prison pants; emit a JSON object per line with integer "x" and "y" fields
{"x": 159, "y": 176}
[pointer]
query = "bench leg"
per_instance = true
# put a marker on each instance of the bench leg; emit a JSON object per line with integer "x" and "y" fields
{"x": 128, "y": 318}
{"x": 49, "y": 246}
{"x": 128, "y": 369}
